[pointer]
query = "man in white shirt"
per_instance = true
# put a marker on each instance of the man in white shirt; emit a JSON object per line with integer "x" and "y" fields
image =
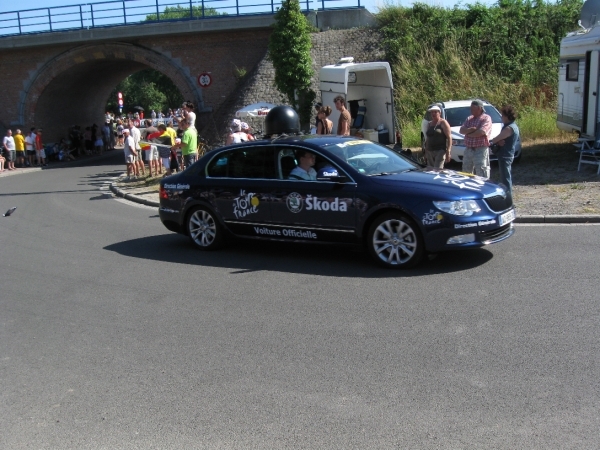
{"x": 189, "y": 114}
{"x": 304, "y": 170}
{"x": 8, "y": 143}
{"x": 130, "y": 153}
{"x": 30, "y": 148}
{"x": 137, "y": 136}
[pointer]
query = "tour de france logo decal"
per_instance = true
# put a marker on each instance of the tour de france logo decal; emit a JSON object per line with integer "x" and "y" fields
{"x": 295, "y": 202}
{"x": 245, "y": 204}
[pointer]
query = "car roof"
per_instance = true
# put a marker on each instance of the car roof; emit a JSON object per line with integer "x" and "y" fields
{"x": 313, "y": 139}
{"x": 459, "y": 103}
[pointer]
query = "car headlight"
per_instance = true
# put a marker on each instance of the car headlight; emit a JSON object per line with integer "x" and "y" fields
{"x": 459, "y": 142}
{"x": 458, "y": 208}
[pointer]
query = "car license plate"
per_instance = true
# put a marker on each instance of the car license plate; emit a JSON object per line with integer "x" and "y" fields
{"x": 507, "y": 217}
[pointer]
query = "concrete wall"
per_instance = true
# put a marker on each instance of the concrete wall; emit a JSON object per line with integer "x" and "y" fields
{"x": 328, "y": 48}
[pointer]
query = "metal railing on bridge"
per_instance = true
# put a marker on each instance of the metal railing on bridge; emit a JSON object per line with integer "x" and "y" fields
{"x": 132, "y": 12}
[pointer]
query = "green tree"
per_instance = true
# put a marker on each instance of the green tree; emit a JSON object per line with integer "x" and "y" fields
{"x": 505, "y": 53}
{"x": 289, "y": 50}
{"x": 149, "y": 89}
{"x": 180, "y": 12}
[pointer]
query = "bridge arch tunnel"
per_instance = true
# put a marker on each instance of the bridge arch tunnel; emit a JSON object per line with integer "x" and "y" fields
{"x": 73, "y": 87}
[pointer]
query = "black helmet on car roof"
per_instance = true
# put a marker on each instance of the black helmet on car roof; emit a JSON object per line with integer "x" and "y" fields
{"x": 282, "y": 120}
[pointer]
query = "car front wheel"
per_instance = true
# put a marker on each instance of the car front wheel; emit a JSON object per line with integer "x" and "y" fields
{"x": 395, "y": 242}
{"x": 204, "y": 229}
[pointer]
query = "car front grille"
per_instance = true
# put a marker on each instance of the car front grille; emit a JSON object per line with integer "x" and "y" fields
{"x": 493, "y": 235}
{"x": 497, "y": 203}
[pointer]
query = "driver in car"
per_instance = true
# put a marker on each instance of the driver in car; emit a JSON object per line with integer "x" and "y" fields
{"x": 304, "y": 170}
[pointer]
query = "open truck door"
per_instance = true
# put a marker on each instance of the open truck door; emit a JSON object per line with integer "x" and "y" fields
{"x": 368, "y": 91}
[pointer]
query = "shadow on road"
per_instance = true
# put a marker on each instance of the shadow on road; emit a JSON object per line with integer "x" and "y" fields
{"x": 244, "y": 256}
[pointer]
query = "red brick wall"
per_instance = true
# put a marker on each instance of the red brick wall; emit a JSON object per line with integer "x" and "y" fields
{"x": 57, "y": 86}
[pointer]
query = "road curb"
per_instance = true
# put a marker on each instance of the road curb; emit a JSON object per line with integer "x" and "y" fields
{"x": 131, "y": 197}
{"x": 567, "y": 218}
{"x": 532, "y": 218}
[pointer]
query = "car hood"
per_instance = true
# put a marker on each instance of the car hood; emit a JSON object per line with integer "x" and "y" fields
{"x": 444, "y": 183}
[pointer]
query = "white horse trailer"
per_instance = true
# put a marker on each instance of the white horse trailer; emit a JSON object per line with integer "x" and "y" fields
{"x": 579, "y": 74}
{"x": 367, "y": 86}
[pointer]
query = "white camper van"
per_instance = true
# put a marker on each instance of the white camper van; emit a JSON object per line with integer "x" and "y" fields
{"x": 368, "y": 91}
{"x": 578, "y": 75}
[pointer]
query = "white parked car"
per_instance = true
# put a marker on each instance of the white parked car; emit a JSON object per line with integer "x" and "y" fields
{"x": 456, "y": 112}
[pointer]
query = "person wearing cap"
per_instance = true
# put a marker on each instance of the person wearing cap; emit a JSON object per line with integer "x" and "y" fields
{"x": 438, "y": 139}
{"x": 477, "y": 129}
{"x": 130, "y": 153}
{"x": 246, "y": 129}
{"x": 236, "y": 136}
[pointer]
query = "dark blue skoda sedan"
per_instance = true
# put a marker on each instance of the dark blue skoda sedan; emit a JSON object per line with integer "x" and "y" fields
{"x": 357, "y": 192}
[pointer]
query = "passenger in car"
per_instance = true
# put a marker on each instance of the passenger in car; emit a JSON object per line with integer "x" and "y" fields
{"x": 304, "y": 170}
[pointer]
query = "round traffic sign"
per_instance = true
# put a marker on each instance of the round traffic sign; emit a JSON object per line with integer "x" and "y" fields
{"x": 204, "y": 79}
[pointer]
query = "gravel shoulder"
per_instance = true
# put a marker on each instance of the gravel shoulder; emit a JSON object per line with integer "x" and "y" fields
{"x": 546, "y": 180}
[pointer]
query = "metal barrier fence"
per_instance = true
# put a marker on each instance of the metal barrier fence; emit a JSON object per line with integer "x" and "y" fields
{"x": 130, "y": 12}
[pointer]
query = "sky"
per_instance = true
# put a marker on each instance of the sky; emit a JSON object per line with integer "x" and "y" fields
{"x": 371, "y": 5}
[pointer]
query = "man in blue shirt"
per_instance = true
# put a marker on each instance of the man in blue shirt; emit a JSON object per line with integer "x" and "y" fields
{"x": 304, "y": 170}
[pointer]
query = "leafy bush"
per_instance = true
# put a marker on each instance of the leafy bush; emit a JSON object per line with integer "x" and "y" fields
{"x": 506, "y": 53}
{"x": 289, "y": 50}
{"x": 181, "y": 12}
{"x": 149, "y": 89}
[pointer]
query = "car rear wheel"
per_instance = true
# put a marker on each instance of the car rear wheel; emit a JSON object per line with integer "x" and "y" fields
{"x": 204, "y": 229}
{"x": 394, "y": 241}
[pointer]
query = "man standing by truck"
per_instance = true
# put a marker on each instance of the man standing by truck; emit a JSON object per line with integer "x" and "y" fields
{"x": 345, "y": 118}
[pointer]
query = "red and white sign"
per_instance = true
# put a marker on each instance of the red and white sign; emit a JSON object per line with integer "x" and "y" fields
{"x": 204, "y": 79}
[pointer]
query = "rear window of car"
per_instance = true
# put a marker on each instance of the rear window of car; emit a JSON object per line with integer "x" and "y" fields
{"x": 457, "y": 116}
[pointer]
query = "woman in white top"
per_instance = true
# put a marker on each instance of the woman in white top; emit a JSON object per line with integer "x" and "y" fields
{"x": 237, "y": 135}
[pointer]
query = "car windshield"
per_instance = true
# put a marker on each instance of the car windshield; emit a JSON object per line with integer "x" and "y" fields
{"x": 457, "y": 116}
{"x": 369, "y": 158}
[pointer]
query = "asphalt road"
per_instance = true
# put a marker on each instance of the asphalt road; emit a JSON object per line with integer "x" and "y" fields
{"x": 115, "y": 333}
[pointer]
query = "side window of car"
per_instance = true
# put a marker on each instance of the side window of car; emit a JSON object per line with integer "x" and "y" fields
{"x": 287, "y": 161}
{"x": 217, "y": 167}
{"x": 245, "y": 162}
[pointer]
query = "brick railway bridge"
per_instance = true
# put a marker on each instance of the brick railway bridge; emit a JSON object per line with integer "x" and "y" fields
{"x": 56, "y": 79}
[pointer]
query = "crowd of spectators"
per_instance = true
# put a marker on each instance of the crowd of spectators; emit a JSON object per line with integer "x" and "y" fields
{"x": 21, "y": 150}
